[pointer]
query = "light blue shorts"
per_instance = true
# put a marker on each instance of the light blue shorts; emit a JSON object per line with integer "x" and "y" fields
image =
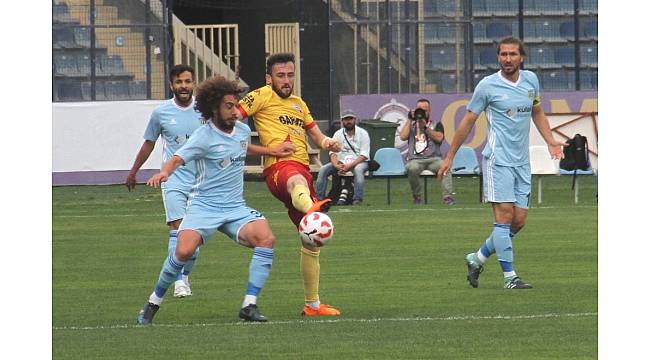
{"x": 502, "y": 184}
{"x": 207, "y": 220}
{"x": 175, "y": 202}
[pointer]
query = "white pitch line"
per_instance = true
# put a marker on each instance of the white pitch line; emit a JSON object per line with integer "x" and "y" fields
{"x": 332, "y": 321}
{"x": 331, "y": 211}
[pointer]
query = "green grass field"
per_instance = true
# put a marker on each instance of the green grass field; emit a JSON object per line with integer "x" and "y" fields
{"x": 397, "y": 273}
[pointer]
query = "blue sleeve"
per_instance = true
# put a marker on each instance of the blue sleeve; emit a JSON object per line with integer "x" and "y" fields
{"x": 194, "y": 148}
{"x": 479, "y": 100}
{"x": 154, "y": 129}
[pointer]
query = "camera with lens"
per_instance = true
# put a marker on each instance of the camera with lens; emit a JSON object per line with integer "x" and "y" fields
{"x": 418, "y": 114}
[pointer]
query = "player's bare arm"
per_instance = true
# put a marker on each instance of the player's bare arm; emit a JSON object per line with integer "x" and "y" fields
{"x": 140, "y": 159}
{"x": 541, "y": 123}
{"x": 325, "y": 142}
{"x": 167, "y": 169}
{"x": 466, "y": 125}
{"x": 282, "y": 150}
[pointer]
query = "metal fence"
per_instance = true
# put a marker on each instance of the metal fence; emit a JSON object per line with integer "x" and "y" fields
{"x": 447, "y": 46}
{"x": 109, "y": 49}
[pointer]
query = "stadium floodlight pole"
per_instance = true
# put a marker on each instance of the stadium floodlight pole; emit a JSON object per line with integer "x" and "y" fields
{"x": 147, "y": 46}
{"x": 93, "y": 59}
{"x": 576, "y": 34}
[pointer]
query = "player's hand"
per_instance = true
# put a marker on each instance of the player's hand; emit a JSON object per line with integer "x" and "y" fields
{"x": 130, "y": 182}
{"x": 332, "y": 145}
{"x": 444, "y": 168}
{"x": 555, "y": 149}
{"x": 157, "y": 179}
{"x": 284, "y": 149}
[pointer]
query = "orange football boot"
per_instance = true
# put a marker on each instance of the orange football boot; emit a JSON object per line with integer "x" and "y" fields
{"x": 323, "y": 310}
{"x": 321, "y": 206}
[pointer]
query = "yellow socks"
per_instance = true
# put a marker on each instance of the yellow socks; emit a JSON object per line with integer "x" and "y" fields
{"x": 310, "y": 269}
{"x": 300, "y": 198}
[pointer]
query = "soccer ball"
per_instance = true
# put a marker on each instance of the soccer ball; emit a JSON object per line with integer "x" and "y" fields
{"x": 316, "y": 229}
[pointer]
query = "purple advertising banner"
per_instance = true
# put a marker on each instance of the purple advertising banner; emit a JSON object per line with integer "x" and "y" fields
{"x": 450, "y": 109}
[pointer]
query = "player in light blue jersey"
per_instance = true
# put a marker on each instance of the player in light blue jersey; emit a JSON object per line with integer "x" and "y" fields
{"x": 174, "y": 120}
{"x": 216, "y": 201}
{"x": 509, "y": 98}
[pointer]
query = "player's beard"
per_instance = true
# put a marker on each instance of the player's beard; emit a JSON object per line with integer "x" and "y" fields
{"x": 225, "y": 125}
{"x": 280, "y": 93}
{"x": 513, "y": 69}
{"x": 183, "y": 96}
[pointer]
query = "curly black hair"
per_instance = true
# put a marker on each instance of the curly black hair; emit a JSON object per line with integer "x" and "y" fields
{"x": 210, "y": 93}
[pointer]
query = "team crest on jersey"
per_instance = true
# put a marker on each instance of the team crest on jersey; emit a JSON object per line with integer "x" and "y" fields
{"x": 531, "y": 94}
{"x": 180, "y": 139}
{"x": 511, "y": 112}
{"x": 224, "y": 163}
{"x": 244, "y": 144}
{"x": 297, "y": 107}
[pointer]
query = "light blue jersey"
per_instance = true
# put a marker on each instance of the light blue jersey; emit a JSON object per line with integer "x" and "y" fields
{"x": 508, "y": 107}
{"x": 175, "y": 124}
{"x": 219, "y": 159}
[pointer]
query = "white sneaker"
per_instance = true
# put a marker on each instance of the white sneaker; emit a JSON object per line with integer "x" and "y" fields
{"x": 182, "y": 289}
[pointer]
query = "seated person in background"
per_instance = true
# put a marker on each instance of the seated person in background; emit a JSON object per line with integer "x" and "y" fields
{"x": 424, "y": 142}
{"x": 354, "y": 155}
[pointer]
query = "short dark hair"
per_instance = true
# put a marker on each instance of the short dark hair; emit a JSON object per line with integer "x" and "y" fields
{"x": 178, "y": 69}
{"x": 210, "y": 93}
{"x": 512, "y": 41}
{"x": 279, "y": 58}
{"x": 423, "y": 100}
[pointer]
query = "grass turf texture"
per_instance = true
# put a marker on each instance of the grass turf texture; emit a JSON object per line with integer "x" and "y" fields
{"x": 397, "y": 273}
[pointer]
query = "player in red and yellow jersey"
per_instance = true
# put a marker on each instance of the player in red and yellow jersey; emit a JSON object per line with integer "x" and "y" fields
{"x": 283, "y": 117}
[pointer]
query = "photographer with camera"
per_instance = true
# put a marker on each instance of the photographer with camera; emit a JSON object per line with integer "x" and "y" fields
{"x": 424, "y": 142}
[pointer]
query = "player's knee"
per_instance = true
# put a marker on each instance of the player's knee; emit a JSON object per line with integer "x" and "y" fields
{"x": 516, "y": 226}
{"x": 184, "y": 253}
{"x": 266, "y": 241}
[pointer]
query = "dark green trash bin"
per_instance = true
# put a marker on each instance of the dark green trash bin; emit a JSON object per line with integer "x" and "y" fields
{"x": 382, "y": 134}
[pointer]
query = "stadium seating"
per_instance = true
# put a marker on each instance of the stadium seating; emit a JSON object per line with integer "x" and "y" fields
{"x": 63, "y": 38}
{"x": 501, "y": 7}
{"x": 530, "y": 33}
{"x": 448, "y": 83}
{"x": 446, "y": 7}
{"x": 116, "y": 90}
{"x": 548, "y": 7}
{"x": 566, "y": 7}
{"x": 465, "y": 163}
{"x": 567, "y": 30}
{"x": 111, "y": 65}
{"x": 565, "y": 56}
{"x": 588, "y": 6}
{"x": 391, "y": 165}
{"x": 530, "y": 7}
{"x": 138, "y": 89}
{"x": 548, "y": 30}
{"x": 541, "y": 164}
{"x": 65, "y": 65}
{"x": 478, "y": 29}
{"x": 61, "y": 14}
{"x": 479, "y": 8}
{"x": 497, "y": 30}
{"x": 82, "y": 36}
{"x": 585, "y": 80}
{"x": 589, "y": 55}
{"x": 541, "y": 57}
{"x": 555, "y": 80}
{"x": 488, "y": 58}
{"x": 590, "y": 30}
{"x": 444, "y": 58}
{"x": 447, "y": 34}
